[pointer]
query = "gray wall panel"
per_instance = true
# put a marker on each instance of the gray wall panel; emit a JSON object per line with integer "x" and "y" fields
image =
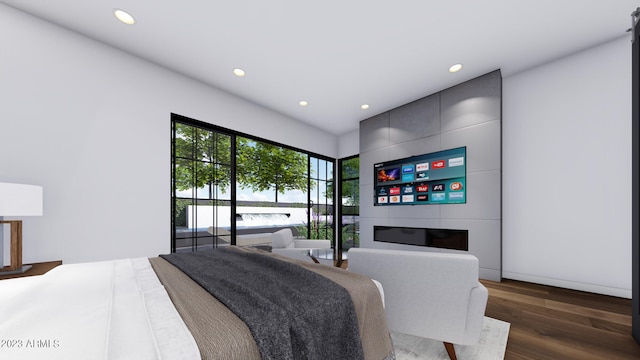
{"x": 486, "y": 235}
{"x": 415, "y": 120}
{"x": 483, "y": 198}
{"x": 374, "y": 132}
{"x": 366, "y": 232}
{"x": 468, "y": 115}
{"x": 473, "y": 102}
{"x": 414, "y": 212}
{"x": 489, "y": 274}
{"x": 482, "y": 142}
{"x": 415, "y": 147}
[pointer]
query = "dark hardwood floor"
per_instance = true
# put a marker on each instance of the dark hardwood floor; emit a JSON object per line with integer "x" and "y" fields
{"x": 555, "y": 323}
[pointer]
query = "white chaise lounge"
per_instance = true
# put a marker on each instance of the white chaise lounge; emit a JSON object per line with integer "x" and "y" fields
{"x": 241, "y": 240}
{"x": 283, "y": 243}
{"x": 431, "y": 295}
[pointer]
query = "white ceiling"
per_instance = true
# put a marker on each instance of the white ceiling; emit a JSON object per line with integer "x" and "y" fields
{"x": 338, "y": 55}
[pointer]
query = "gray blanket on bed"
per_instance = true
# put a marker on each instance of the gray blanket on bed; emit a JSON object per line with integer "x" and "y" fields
{"x": 293, "y": 313}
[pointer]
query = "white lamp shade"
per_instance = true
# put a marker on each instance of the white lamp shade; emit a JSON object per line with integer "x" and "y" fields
{"x": 20, "y": 200}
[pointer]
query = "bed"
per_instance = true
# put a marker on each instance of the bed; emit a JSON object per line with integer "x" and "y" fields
{"x": 150, "y": 309}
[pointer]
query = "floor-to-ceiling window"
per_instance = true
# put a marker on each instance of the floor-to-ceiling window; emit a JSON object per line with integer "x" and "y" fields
{"x": 271, "y": 188}
{"x": 202, "y": 172}
{"x": 233, "y": 189}
{"x": 349, "y": 195}
{"x": 321, "y": 208}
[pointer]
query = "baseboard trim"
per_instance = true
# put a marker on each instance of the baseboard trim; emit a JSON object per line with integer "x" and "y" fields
{"x": 598, "y": 289}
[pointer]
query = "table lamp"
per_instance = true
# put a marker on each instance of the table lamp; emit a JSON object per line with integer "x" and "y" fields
{"x": 18, "y": 200}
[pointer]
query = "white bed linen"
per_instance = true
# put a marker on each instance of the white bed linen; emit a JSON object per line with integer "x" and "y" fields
{"x": 101, "y": 310}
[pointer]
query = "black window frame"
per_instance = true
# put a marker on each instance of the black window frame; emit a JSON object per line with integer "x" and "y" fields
{"x": 233, "y": 202}
{"x": 339, "y": 181}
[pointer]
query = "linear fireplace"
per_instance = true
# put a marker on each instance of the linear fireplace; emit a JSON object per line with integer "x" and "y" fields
{"x": 438, "y": 238}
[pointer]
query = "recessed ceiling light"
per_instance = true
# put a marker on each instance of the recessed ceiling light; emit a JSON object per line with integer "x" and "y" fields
{"x": 455, "y": 68}
{"x": 364, "y": 106}
{"x": 303, "y": 103}
{"x": 124, "y": 16}
{"x": 238, "y": 72}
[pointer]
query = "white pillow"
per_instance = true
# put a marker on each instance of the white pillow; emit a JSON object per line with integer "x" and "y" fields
{"x": 380, "y": 290}
{"x": 282, "y": 238}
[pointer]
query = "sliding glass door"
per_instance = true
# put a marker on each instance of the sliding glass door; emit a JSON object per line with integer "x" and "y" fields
{"x": 233, "y": 189}
{"x": 349, "y": 195}
{"x": 271, "y": 190}
{"x": 321, "y": 201}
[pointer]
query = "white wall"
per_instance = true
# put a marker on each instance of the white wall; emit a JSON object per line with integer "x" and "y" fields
{"x": 349, "y": 144}
{"x": 567, "y": 172}
{"x": 91, "y": 125}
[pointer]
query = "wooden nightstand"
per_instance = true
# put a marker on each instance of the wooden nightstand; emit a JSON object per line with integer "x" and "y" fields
{"x": 37, "y": 269}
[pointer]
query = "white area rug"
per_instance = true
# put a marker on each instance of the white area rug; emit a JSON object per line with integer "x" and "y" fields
{"x": 491, "y": 346}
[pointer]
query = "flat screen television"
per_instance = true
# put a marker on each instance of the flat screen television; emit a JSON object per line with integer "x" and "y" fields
{"x": 434, "y": 178}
